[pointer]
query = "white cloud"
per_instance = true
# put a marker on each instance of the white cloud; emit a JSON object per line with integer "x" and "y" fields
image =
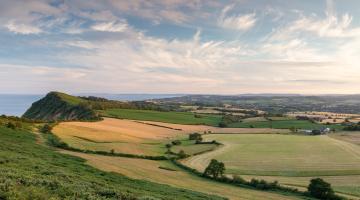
{"x": 21, "y": 28}
{"x": 239, "y": 22}
{"x": 111, "y": 26}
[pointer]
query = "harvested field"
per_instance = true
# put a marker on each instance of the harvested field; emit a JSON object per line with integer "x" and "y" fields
{"x": 282, "y": 155}
{"x": 158, "y": 171}
{"x": 134, "y": 137}
{"x": 290, "y": 159}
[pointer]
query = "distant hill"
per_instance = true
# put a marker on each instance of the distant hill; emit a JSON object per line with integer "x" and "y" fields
{"x": 274, "y": 103}
{"x": 60, "y": 106}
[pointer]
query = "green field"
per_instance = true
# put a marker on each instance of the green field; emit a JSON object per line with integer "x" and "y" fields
{"x": 190, "y": 148}
{"x": 168, "y": 117}
{"x": 29, "y": 170}
{"x": 285, "y": 156}
{"x": 282, "y": 124}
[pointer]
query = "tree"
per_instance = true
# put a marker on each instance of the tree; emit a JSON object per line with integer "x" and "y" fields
{"x": 176, "y": 142}
{"x": 195, "y": 136}
{"x": 320, "y": 189}
{"x": 10, "y": 125}
{"x": 46, "y": 128}
{"x": 215, "y": 169}
{"x": 182, "y": 154}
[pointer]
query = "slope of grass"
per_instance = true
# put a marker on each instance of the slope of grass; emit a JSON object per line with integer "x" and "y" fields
{"x": 167, "y": 173}
{"x": 32, "y": 171}
{"x": 283, "y": 124}
{"x": 168, "y": 117}
{"x": 59, "y": 106}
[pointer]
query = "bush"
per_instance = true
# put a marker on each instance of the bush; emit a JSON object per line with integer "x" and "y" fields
{"x": 195, "y": 136}
{"x": 46, "y": 128}
{"x": 11, "y": 125}
{"x": 320, "y": 189}
{"x": 182, "y": 154}
{"x": 222, "y": 124}
{"x": 176, "y": 142}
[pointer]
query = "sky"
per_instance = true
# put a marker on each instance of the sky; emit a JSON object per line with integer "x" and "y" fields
{"x": 180, "y": 46}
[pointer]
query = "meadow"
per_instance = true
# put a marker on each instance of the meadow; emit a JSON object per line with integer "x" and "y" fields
{"x": 168, "y": 117}
{"x": 166, "y": 173}
{"x": 286, "y": 157}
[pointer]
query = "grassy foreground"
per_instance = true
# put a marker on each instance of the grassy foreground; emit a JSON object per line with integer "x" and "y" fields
{"x": 31, "y": 171}
{"x": 168, "y": 117}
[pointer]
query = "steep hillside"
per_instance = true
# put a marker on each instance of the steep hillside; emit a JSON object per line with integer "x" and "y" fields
{"x": 60, "y": 106}
{"x": 29, "y": 170}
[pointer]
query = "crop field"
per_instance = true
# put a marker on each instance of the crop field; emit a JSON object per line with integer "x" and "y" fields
{"x": 283, "y": 124}
{"x": 352, "y": 137}
{"x": 285, "y": 155}
{"x": 135, "y": 137}
{"x": 121, "y": 135}
{"x": 168, "y": 117}
{"x": 291, "y": 159}
{"x": 166, "y": 173}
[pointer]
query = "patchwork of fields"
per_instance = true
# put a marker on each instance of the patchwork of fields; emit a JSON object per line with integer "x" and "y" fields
{"x": 134, "y": 137}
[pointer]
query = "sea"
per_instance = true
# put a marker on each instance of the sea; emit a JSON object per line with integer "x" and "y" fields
{"x": 17, "y": 104}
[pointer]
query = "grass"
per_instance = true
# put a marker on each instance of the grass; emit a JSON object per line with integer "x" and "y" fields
{"x": 283, "y": 124}
{"x": 285, "y": 155}
{"x": 32, "y": 171}
{"x": 158, "y": 171}
{"x": 168, "y": 117}
{"x": 73, "y": 100}
{"x": 190, "y": 148}
{"x": 290, "y": 159}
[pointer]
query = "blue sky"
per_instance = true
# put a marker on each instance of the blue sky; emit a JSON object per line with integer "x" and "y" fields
{"x": 180, "y": 46}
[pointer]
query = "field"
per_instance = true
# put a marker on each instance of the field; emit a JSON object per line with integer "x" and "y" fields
{"x": 168, "y": 117}
{"x": 190, "y": 148}
{"x": 134, "y": 137}
{"x": 166, "y": 173}
{"x": 349, "y": 136}
{"x": 33, "y": 171}
{"x": 285, "y": 156}
{"x": 282, "y": 124}
{"x": 121, "y": 135}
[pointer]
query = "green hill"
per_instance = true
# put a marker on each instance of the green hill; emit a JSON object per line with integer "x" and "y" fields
{"x": 29, "y": 170}
{"x": 60, "y": 106}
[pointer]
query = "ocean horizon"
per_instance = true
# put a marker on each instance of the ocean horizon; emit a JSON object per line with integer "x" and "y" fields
{"x": 17, "y": 104}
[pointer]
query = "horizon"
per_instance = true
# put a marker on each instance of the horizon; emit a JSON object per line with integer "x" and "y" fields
{"x": 180, "y": 47}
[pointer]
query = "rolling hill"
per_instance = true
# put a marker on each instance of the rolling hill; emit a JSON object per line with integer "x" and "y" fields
{"x": 60, "y": 106}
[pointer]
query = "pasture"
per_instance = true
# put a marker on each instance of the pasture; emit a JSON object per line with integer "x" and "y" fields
{"x": 166, "y": 173}
{"x": 168, "y": 117}
{"x": 290, "y": 159}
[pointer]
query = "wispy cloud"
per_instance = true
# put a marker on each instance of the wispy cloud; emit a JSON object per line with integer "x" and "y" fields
{"x": 239, "y": 22}
{"x": 111, "y": 26}
{"x": 21, "y": 28}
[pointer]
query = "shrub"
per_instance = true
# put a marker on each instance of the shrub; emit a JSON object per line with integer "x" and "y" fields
{"x": 195, "y": 136}
{"x": 182, "y": 154}
{"x": 46, "y": 128}
{"x": 176, "y": 142}
{"x": 320, "y": 189}
{"x": 11, "y": 125}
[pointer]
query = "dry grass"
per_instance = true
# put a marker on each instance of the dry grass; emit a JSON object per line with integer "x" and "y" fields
{"x": 149, "y": 170}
